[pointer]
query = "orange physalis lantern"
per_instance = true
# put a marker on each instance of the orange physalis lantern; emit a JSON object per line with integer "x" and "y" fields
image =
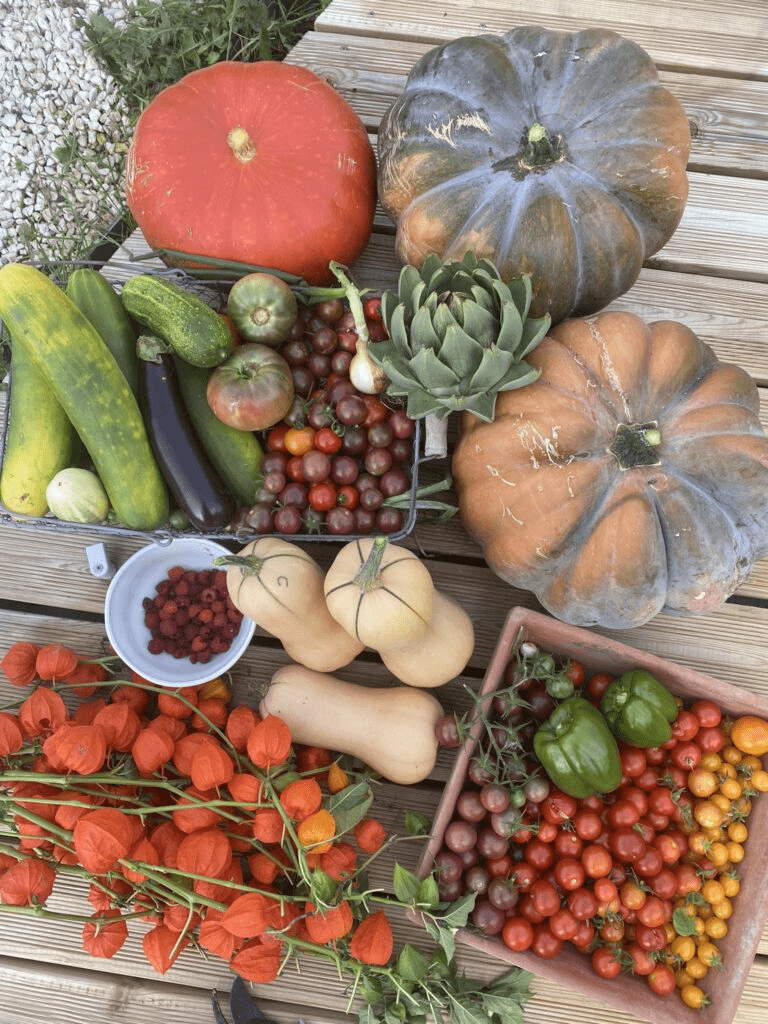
{"x": 246, "y": 790}
{"x": 166, "y": 839}
{"x": 207, "y": 852}
{"x": 220, "y": 891}
{"x": 258, "y": 961}
{"x": 249, "y": 915}
{"x": 369, "y": 835}
{"x": 301, "y": 798}
{"x": 214, "y": 938}
{"x": 175, "y": 727}
{"x": 372, "y": 940}
{"x": 77, "y": 748}
{"x": 104, "y": 938}
{"x": 268, "y": 825}
{"x": 178, "y": 917}
{"x": 162, "y": 947}
{"x": 241, "y": 721}
{"x": 210, "y": 711}
{"x": 42, "y": 712}
{"x": 102, "y": 837}
{"x": 143, "y": 852}
{"x": 85, "y": 676}
{"x": 339, "y": 862}
{"x": 325, "y": 926}
{"x": 68, "y": 814}
{"x": 87, "y": 711}
{"x": 270, "y": 743}
{"x": 11, "y": 738}
{"x": 185, "y": 748}
{"x": 26, "y": 883}
{"x": 55, "y": 661}
{"x": 179, "y": 703}
{"x": 151, "y": 749}
{"x": 211, "y": 767}
{"x": 137, "y": 697}
{"x": 19, "y": 663}
{"x": 317, "y": 831}
{"x": 189, "y": 815}
{"x": 121, "y": 725}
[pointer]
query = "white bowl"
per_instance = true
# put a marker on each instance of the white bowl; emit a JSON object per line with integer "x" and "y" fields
{"x": 124, "y": 613}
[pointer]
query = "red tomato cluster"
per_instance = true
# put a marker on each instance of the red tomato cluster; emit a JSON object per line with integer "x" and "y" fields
{"x": 338, "y": 455}
{"x": 639, "y": 879}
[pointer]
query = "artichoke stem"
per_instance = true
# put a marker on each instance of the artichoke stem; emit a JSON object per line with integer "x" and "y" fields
{"x": 435, "y": 436}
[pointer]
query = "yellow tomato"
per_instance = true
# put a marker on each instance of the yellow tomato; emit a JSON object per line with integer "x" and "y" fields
{"x": 731, "y": 755}
{"x": 713, "y": 835}
{"x": 730, "y": 883}
{"x": 731, "y": 789}
{"x": 721, "y": 802}
{"x": 750, "y": 734}
{"x": 693, "y": 997}
{"x": 216, "y": 688}
{"x": 715, "y": 928}
{"x": 683, "y": 946}
{"x": 759, "y": 780}
{"x": 710, "y": 762}
{"x": 697, "y": 968}
{"x": 707, "y": 814}
{"x": 299, "y": 440}
{"x": 718, "y": 854}
{"x": 702, "y": 783}
{"x": 723, "y": 909}
{"x": 751, "y": 762}
{"x": 683, "y": 978}
{"x": 735, "y": 852}
{"x": 698, "y": 843}
{"x": 727, "y": 771}
{"x": 713, "y": 891}
{"x": 708, "y": 953}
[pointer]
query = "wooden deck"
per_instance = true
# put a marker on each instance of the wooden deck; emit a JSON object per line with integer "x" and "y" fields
{"x": 712, "y": 275}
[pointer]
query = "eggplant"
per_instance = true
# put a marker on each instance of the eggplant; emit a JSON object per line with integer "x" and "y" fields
{"x": 198, "y": 489}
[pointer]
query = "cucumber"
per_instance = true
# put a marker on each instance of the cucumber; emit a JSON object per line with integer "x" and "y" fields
{"x": 84, "y": 376}
{"x": 236, "y": 454}
{"x": 94, "y": 296}
{"x": 193, "y": 330}
{"x": 40, "y": 440}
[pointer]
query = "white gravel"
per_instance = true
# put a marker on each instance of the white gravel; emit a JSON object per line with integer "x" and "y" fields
{"x": 53, "y": 93}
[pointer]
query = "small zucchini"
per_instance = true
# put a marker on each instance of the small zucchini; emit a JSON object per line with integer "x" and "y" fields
{"x": 40, "y": 440}
{"x": 84, "y": 376}
{"x": 236, "y": 454}
{"x": 193, "y": 330}
{"x": 198, "y": 489}
{"x": 94, "y": 296}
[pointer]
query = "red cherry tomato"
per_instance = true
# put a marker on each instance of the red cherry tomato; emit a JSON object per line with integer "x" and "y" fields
{"x": 606, "y": 962}
{"x": 326, "y": 440}
{"x": 597, "y": 685}
{"x": 707, "y": 712}
{"x": 545, "y": 944}
{"x": 517, "y": 934}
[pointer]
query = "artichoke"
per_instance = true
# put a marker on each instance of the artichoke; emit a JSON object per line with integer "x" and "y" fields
{"x": 458, "y": 335}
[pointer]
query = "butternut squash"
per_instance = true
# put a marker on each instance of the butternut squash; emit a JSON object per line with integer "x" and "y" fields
{"x": 384, "y": 595}
{"x": 380, "y": 593}
{"x": 442, "y": 653}
{"x": 280, "y": 587}
{"x": 391, "y": 729}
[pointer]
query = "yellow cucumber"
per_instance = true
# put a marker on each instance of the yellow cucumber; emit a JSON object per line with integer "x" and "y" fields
{"x": 93, "y": 295}
{"x": 40, "y": 440}
{"x": 84, "y": 376}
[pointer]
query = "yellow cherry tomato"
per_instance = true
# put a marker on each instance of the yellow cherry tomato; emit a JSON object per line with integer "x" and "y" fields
{"x": 731, "y": 755}
{"x": 721, "y": 802}
{"x": 697, "y": 968}
{"x": 698, "y": 843}
{"x": 735, "y": 852}
{"x": 693, "y": 997}
{"x": 708, "y": 953}
{"x": 299, "y": 440}
{"x": 727, "y": 771}
{"x": 723, "y": 909}
{"x": 713, "y": 891}
{"x": 702, "y": 783}
{"x": 731, "y": 789}
{"x": 751, "y": 762}
{"x": 750, "y": 734}
{"x": 730, "y": 883}
{"x": 759, "y": 780}
{"x": 683, "y": 946}
{"x": 715, "y": 928}
{"x": 707, "y": 814}
{"x": 683, "y": 978}
{"x": 718, "y": 854}
{"x": 710, "y": 762}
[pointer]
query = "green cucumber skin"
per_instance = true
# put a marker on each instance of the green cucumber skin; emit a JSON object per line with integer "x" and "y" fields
{"x": 85, "y": 377}
{"x": 40, "y": 440}
{"x": 236, "y": 454}
{"x": 94, "y": 296}
{"x": 193, "y": 330}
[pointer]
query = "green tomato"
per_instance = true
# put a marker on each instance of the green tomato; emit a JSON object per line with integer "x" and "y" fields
{"x": 263, "y": 308}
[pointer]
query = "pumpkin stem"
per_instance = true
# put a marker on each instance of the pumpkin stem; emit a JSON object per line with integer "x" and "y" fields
{"x": 368, "y": 577}
{"x": 634, "y": 444}
{"x": 241, "y": 144}
{"x": 541, "y": 148}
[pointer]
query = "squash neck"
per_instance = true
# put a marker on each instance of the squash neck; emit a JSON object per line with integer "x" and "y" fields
{"x": 241, "y": 144}
{"x": 636, "y": 445}
{"x": 539, "y": 150}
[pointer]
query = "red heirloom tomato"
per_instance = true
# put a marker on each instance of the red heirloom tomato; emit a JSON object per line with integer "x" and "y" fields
{"x": 251, "y": 390}
{"x": 222, "y": 164}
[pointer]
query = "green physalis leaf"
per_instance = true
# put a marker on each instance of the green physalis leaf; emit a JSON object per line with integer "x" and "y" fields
{"x": 417, "y": 824}
{"x": 350, "y": 805}
{"x": 412, "y": 965}
{"x": 406, "y": 884}
{"x": 428, "y": 894}
{"x": 458, "y": 912}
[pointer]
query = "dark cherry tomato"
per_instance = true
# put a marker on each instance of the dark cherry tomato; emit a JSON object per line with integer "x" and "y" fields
{"x": 378, "y": 461}
{"x": 276, "y": 437}
{"x": 401, "y": 423}
{"x": 340, "y": 520}
{"x": 315, "y": 466}
{"x": 288, "y": 519}
{"x": 487, "y": 918}
{"x": 365, "y": 521}
{"x": 377, "y": 411}
{"x": 329, "y": 310}
{"x": 395, "y": 481}
{"x": 351, "y": 410}
{"x": 303, "y": 380}
{"x": 294, "y": 493}
{"x": 389, "y": 520}
{"x": 344, "y": 470}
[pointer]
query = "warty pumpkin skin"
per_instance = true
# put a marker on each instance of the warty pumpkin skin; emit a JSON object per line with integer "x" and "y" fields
{"x": 264, "y": 163}
{"x": 580, "y": 209}
{"x": 630, "y": 478}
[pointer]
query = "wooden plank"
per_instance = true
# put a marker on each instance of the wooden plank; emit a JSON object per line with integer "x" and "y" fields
{"x": 707, "y": 36}
{"x": 726, "y": 114}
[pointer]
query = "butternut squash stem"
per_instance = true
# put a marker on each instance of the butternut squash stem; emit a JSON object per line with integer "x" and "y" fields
{"x": 368, "y": 577}
{"x": 249, "y": 564}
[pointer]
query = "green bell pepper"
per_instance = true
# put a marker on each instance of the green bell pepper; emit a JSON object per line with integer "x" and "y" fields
{"x": 577, "y": 749}
{"x": 639, "y": 709}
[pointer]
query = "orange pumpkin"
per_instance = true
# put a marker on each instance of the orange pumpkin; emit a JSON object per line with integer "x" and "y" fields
{"x": 264, "y": 163}
{"x": 630, "y": 478}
